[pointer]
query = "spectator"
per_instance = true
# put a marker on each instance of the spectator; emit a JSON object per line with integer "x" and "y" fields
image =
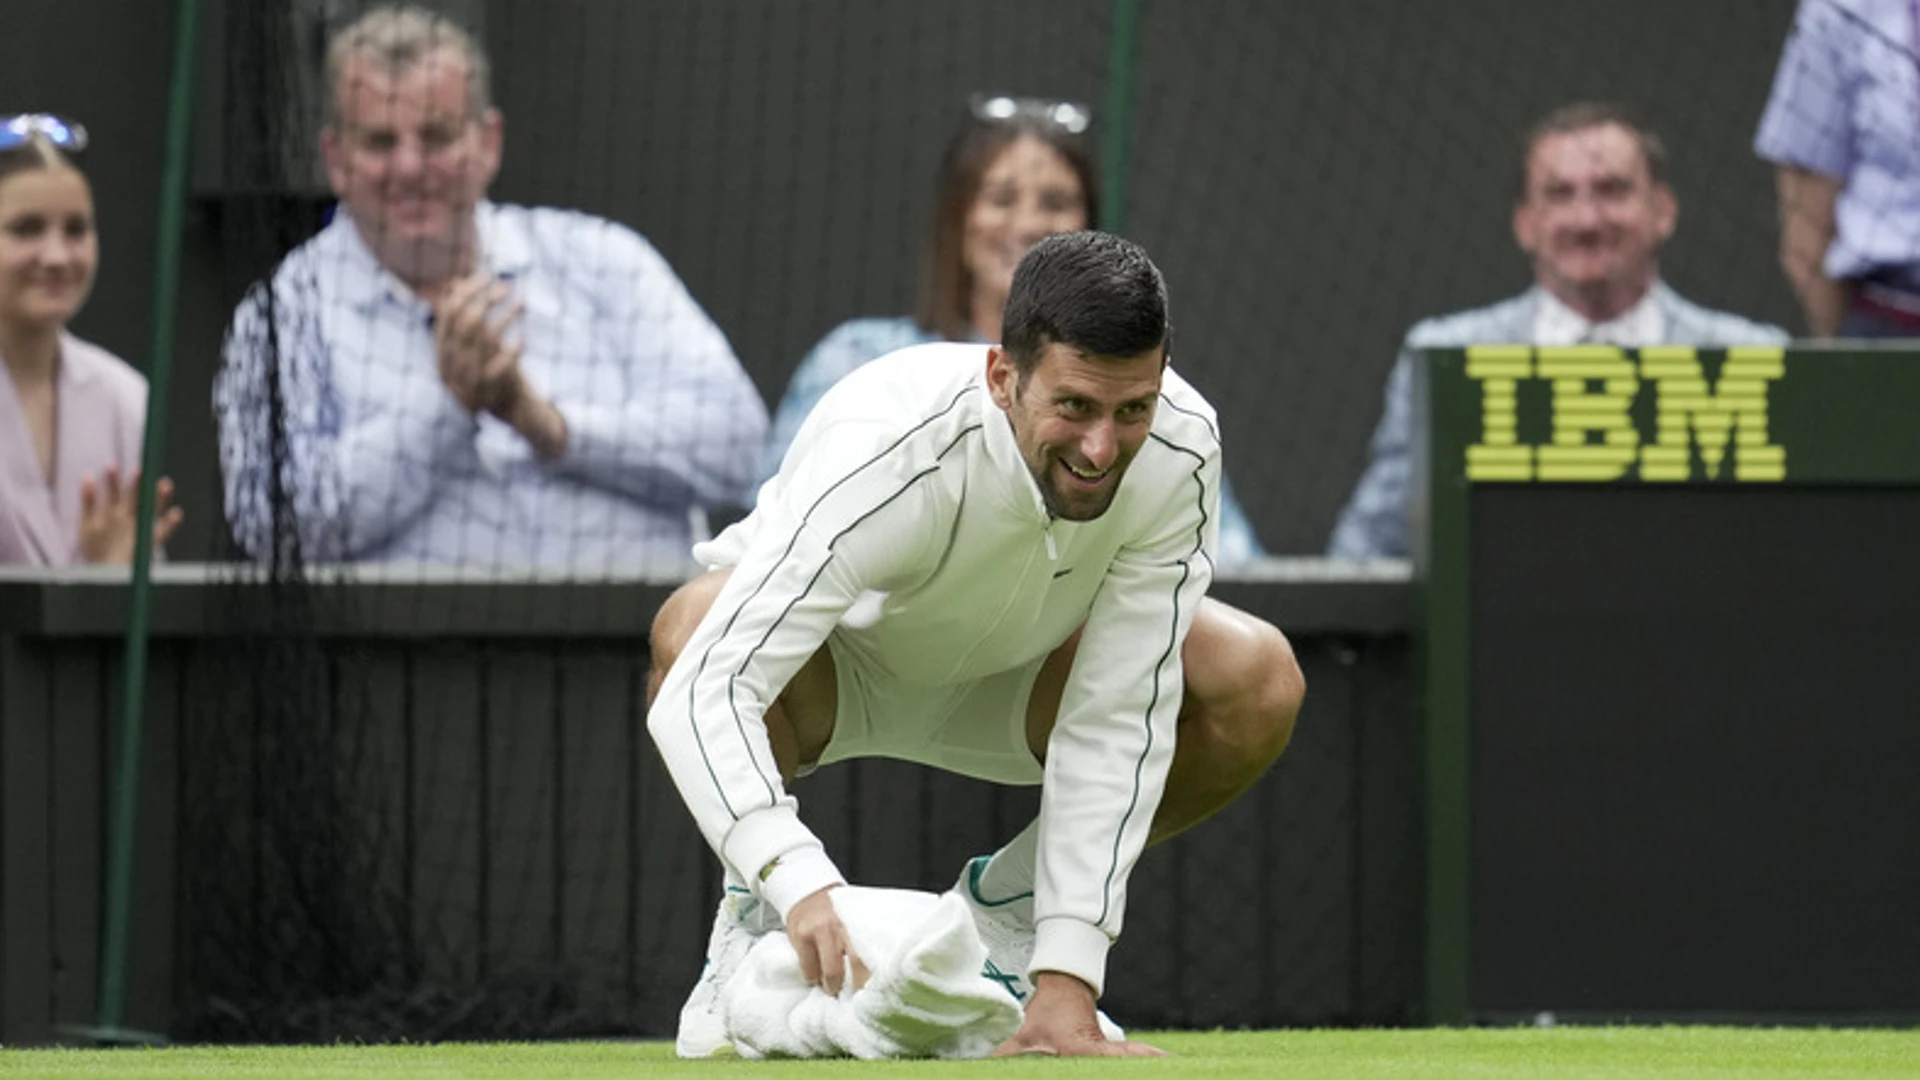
{"x": 435, "y": 378}
{"x": 1840, "y": 127}
{"x": 72, "y": 415}
{"x": 1019, "y": 170}
{"x": 1594, "y": 209}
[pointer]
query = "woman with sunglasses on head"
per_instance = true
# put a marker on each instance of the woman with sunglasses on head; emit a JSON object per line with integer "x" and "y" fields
{"x": 72, "y": 415}
{"x": 1020, "y": 170}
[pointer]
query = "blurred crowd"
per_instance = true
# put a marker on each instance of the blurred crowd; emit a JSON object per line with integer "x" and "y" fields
{"x": 439, "y": 379}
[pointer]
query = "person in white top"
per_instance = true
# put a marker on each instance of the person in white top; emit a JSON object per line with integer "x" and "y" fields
{"x": 1593, "y": 211}
{"x": 990, "y": 559}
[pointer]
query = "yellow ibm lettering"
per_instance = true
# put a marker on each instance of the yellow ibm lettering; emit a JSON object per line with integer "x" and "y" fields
{"x": 1593, "y": 387}
{"x": 1735, "y": 410}
{"x": 1498, "y": 455}
{"x": 1593, "y": 433}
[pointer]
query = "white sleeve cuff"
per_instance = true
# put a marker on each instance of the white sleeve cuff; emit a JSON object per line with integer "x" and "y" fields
{"x": 797, "y": 875}
{"x": 1074, "y": 948}
{"x": 778, "y": 856}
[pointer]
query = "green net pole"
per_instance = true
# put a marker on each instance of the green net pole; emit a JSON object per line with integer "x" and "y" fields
{"x": 1119, "y": 115}
{"x": 117, "y": 903}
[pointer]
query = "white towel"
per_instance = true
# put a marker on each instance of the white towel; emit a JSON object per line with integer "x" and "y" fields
{"x": 926, "y": 996}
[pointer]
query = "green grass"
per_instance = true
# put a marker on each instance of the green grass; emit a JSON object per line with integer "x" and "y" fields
{"x": 1480, "y": 1054}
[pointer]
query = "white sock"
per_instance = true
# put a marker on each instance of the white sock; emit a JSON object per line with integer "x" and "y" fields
{"x": 1009, "y": 872}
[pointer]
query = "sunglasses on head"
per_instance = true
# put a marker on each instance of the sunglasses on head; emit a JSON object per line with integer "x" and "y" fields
{"x": 1069, "y": 116}
{"x": 17, "y": 131}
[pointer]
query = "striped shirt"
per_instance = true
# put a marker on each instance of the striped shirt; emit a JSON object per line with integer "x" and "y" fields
{"x": 378, "y": 461}
{"x": 1846, "y": 104}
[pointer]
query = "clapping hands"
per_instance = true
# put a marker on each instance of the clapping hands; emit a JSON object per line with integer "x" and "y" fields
{"x": 110, "y": 512}
{"x": 475, "y": 339}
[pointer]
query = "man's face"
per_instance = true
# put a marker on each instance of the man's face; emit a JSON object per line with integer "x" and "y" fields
{"x": 409, "y": 160}
{"x": 1079, "y": 421}
{"x": 1592, "y": 216}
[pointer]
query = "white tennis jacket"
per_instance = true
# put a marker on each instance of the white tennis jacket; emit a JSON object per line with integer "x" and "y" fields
{"x": 905, "y": 490}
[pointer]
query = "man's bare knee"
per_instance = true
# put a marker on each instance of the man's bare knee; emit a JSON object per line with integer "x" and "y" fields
{"x": 1278, "y": 689}
{"x": 1248, "y": 690}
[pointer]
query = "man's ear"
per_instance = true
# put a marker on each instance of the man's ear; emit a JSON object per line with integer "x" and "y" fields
{"x": 1525, "y": 227}
{"x": 1666, "y": 210}
{"x": 1002, "y": 376}
{"x": 493, "y": 138}
{"x": 333, "y": 153}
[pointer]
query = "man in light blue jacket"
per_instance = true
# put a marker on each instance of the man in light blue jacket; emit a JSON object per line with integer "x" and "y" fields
{"x": 1593, "y": 212}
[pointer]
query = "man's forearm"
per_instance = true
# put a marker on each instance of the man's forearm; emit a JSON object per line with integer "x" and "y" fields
{"x": 1823, "y": 299}
{"x": 1807, "y": 203}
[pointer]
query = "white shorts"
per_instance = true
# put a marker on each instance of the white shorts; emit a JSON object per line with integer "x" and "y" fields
{"x": 976, "y": 729}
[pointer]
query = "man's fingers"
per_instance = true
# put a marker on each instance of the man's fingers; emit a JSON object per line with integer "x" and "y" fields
{"x": 499, "y": 324}
{"x": 89, "y": 497}
{"x": 833, "y": 965}
{"x": 1018, "y": 1046}
{"x": 860, "y": 972}
{"x": 809, "y": 964}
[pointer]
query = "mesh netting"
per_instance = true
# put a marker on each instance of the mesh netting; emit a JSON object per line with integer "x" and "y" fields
{"x": 387, "y": 836}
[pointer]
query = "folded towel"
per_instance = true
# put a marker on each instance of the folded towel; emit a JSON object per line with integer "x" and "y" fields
{"x": 926, "y": 996}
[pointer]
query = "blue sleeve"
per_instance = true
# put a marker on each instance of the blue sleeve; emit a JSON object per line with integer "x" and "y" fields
{"x": 1808, "y": 119}
{"x": 691, "y": 421}
{"x": 340, "y": 487}
{"x": 1238, "y": 542}
{"x": 1374, "y": 523}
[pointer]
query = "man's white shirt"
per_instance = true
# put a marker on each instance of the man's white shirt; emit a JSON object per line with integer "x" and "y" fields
{"x": 906, "y": 490}
{"x": 1558, "y": 324}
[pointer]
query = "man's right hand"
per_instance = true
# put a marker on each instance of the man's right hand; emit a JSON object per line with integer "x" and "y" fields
{"x": 479, "y": 361}
{"x": 821, "y": 941}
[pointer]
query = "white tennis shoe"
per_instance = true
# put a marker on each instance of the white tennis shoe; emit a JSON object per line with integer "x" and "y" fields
{"x": 742, "y": 918}
{"x": 1006, "y": 926}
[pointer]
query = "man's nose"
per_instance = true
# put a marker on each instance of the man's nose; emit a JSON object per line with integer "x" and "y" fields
{"x": 408, "y": 158}
{"x": 1099, "y": 444}
{"x": 1585, "y": 212}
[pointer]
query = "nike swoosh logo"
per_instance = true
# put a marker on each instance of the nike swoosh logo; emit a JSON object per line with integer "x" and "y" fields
{"x": 1062, "y": 573}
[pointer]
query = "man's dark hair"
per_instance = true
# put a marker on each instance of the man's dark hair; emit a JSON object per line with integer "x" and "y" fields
{"x": 1581, "y": 115}
{"x": 1092, "y": 291}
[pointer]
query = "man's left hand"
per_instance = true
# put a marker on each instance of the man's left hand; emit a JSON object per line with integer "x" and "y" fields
{"x": 1060, "y": 1021}
{"x": 480, "y": 361}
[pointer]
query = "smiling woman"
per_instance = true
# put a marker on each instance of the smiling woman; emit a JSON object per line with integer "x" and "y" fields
{"x": 1019, "y": 170}
{"x": 72, "y": 415}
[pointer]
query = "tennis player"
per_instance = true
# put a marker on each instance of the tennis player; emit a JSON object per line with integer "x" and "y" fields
{"x": 990, "y": 559}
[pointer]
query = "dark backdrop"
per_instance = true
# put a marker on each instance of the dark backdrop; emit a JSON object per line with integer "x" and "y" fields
{"x": 1312, "y": 177}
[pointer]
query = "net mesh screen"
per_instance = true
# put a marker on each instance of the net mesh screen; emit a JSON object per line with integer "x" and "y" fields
{"x": 395, "y": 832}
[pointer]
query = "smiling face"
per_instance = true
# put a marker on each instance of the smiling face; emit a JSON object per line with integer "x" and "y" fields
{"x": 1593, "y": 217}
{"x": 48, "y": 249}
{"x": 409, "y": 159}
{"x": 1030, "y": 191}
{"x": 1078, "y": 421}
